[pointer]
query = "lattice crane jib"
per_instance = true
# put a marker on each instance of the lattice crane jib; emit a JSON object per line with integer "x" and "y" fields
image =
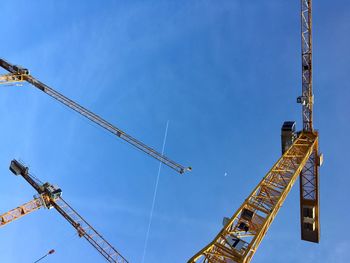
{"x": 18, "y": 74}
{"x": 309, "y": 177}
{"x": 20, "y": 211}
{"x": 49, "y": 196}
{"x": 244, "y": 231}
{"x": 307, "y": 98}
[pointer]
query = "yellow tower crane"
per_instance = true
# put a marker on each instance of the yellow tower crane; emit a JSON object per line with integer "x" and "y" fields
{"x": 243, "y": 232}
{"x": 49, "y": 196}
{"x": 19, "y": 74}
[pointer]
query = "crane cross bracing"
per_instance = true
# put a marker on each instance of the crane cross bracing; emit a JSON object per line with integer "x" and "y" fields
{"x": 19, "y": 74}
{"x": 20, "y": 211}
{"x": 242, "y": 234}
{"x": 309, "y": 177}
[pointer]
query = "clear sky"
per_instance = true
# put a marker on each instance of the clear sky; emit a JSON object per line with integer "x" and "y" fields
{"x": 225, "y": 74}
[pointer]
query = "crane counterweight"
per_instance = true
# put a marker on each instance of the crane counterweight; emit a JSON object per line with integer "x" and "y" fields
{"x": 17, "y": 168}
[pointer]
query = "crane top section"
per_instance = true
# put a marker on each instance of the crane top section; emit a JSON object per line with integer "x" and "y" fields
{"x": 307, "y": 97}
{"x": 19, "y": 74}
{"x": 47, "y": 191}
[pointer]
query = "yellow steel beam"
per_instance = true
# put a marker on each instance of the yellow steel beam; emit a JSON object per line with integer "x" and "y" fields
{"x": 11, "y": 78}
{"x": 20, "y": 211}
{"x": 258, "y": 211}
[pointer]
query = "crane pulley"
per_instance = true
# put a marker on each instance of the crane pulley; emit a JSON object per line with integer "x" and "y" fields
{"x": 20, "y": 74}
{"x": 49, "y": 196}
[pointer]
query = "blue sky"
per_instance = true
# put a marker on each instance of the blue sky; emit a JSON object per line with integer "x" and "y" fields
{"x": 225, "y": 74}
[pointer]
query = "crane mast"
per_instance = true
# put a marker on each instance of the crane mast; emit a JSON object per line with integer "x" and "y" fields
{"x": 49, "y": 196}
{"x": 309, "y": 177}
{"x": 307, "y": 98}
{"x": 19, "y": 74}
{"x": 243, "y": 232}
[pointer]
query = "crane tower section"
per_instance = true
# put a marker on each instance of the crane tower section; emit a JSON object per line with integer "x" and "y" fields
{"x": 309, "y": 177}
{"x": 307, "y": 98}
{"x": 49, "y": 196}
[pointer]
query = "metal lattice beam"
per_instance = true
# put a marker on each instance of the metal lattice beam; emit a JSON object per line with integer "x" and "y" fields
{"x": 306, "y": 99}
{"x": 50, "y": 196}
{"x": 309, "y": 198}
{"x": 241, "y": 236}
{"x": 20, "y": 211}
{"x": 88, "y": 232}
{"x": 309, "y": 180}
{"x": 19, "y": 74}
